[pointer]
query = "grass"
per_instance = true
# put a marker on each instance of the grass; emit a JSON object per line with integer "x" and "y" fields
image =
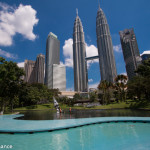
{"x": 37, "y": 107}
{"x": 64, "y": 106}
{"x": 46, "y": 107}
{"x": 121, "y": 105}
{"x": 141, "y": 105}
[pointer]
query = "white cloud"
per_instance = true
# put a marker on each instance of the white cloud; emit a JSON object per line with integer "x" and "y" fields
{"x": 95, "y": 85}
{"x": 145, "y": 52}
{"x": 21, "y": 64}
{"x": 16, "y": 20}
{"x": 117, "y": 48}
{"x": 68, "y": 52}
{"x": 124, "y": 73}
{"x": 91, "y": 50}
{"x": 90, "y": 80}
{"x": 61, "y": 63}
{"x": 69, "y": 62}
{"x": 5, "y": 7}
{"x": 7, "y": 54}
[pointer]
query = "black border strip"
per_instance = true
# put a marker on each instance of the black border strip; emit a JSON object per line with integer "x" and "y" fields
{"x": 75, "y": 126}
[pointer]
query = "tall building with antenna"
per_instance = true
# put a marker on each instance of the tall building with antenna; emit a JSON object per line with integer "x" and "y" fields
{"x": 79, "y": 54}
{"x": 105, "y": 48}
{"x": 130, "y": 50}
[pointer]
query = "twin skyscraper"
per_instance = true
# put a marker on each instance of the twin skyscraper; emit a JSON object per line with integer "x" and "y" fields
{"x": 105, "y": 52}
{"x": 55, "y": 73}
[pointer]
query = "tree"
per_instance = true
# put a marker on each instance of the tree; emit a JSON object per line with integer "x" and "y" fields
{"x": 140, "y": 85}
{"x": 10, "y": 81}
{"x": 136, "y": 87}
{"x": 36, "y": 93}
{"x": 77, "y": 97}
{"x": 105, "y": 94}
{"x": 93, "y": 96}
{"x": 120, "y": 87}
{"x": 144, "y": 69}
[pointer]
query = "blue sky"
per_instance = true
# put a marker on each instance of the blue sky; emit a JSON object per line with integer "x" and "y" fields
{"x": 24, "y": 26}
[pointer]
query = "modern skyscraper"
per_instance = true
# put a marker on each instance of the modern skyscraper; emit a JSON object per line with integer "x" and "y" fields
{"x": 59, "y": 77}
{"x": 79, "y": 54}
{"x": 39, "y": 68}
{"x": 29, "y": 67}
{"x": 52, "y": 57}
{"x": 105, "y": 48}
{"x": 130, "y": 51}
{"x": 34, "y": 70}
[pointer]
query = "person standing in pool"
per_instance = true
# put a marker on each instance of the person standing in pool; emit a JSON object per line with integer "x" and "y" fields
{"x": 70, "y": 109}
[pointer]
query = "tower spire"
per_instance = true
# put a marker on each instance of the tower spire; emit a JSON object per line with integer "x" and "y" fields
{"x": 77, "y": 11}
{"x": 98, "y": 4}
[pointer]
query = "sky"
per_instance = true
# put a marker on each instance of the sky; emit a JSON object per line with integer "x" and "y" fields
{"x": 25, "y": 25}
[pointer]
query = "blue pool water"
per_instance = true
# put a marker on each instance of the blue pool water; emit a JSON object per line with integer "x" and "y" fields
{"x": 105, "y": 136}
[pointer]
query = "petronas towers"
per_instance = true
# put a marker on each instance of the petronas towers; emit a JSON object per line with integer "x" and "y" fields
{"x": 105, "y": 48}
{"x": 105, "y": 52}
{"x": 79, "y": 54}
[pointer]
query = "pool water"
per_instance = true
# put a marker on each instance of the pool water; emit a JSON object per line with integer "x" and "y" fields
{"x": 104, "y": 136}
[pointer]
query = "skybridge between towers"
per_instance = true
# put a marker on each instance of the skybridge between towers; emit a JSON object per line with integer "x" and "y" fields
{"x": 91, "y": 58}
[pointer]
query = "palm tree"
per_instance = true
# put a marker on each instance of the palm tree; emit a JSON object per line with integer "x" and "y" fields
{"x": 121, "y": 86}
{"x": 104, "y": 86}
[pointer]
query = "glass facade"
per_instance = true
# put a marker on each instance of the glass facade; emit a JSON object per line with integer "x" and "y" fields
{"x": 52, "y": 57}
{"x": 130, "y": 51}
{"x": 79, "y": 55}
{"x": 105, "y": 48}
{"x": 59, "y": 77}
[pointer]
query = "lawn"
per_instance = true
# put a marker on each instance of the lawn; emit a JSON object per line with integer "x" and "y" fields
{"x": 64, "y": 106}
{"x": 37, "y": 107}
{"x": 121, "y": 105}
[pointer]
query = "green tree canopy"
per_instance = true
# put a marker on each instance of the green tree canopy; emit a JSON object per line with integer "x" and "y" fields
{"x": 10, "y": 80}
{"x": 120, "y": 87}
{"x": 139, "y": 86}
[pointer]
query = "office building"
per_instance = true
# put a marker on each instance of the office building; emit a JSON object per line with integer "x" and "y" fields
{"x": 39, "y": 68}
{"x": 34, "y": 70}
{"x": 79, "y": 54}
{"x": 59, "y": 77}
{"x": 105, "y": 48}
{"x": 29, "y": 67}
{"x": 130, "y": 51}
{"x": 52, "y": 57}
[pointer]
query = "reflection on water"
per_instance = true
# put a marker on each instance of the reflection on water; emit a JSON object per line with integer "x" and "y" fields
{"x": 52, "y": 115}
{"x": 112, "y": 136}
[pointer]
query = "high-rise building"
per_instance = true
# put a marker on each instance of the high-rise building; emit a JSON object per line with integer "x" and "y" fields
{"x": 52, "y": 57}
{"x": 130, "y": 51}
{"x": 59, "y": 77}
{"x": 145, "y": 55}
{"x": 29, "y": 67}
{"x": 79, "y": 54}
{"x": 105, "y": 48}
{"x": 34, "y": 70}
{"x": 39, "y": 68}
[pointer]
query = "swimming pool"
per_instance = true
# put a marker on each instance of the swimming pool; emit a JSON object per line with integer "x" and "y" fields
{"x": 75, "y": 134}
{"x": 104, "y": 136}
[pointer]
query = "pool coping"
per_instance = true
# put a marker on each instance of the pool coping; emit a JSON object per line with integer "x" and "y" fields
{"x": 10, "y": 125}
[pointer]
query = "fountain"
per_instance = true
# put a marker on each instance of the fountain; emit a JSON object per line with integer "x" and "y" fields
{"x": 56, "y": 105}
